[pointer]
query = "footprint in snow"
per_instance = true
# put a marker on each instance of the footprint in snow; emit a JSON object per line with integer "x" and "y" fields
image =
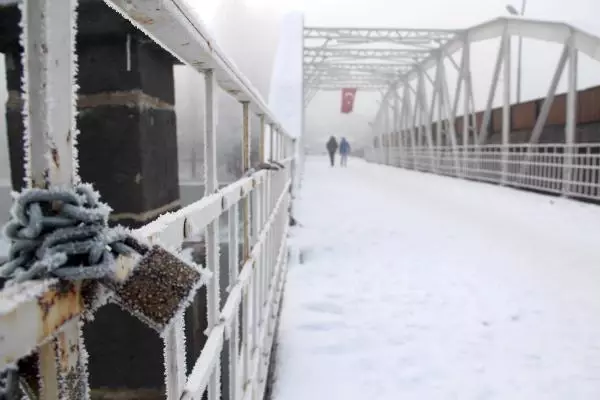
{"x": 322, "y": 326}
{"x": 326, "y": 308}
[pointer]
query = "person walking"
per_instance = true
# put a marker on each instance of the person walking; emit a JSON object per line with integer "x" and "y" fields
{"x": 332, "y": 146}
{"x": 344, "y": 152}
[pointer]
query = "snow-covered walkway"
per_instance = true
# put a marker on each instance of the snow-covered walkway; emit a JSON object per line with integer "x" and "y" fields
{"x": 416, "y": 286}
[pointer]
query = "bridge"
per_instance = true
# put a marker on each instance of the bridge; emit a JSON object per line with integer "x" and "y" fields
{"x": 456, "y": 258}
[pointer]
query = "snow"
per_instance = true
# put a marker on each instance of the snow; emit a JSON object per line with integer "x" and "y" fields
{"x": 416, "y": 286}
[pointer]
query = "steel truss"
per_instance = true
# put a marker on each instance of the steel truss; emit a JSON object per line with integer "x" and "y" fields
{"x": 360, "y": 67}
{"x": 354, "y": 54}
{"x": 432, "y": 123}
{"x": 329, "y": 51}
{"x": 375, "y": 35}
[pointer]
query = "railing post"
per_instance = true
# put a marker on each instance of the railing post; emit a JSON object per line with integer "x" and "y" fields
{"x": 386, "y": 130}
{"x": 245, "y": 167}
{"x": 277, "y": 146}
{"x": 504, "y": 157}
{"x": 570, "y": 121}
{"x": 257, "y": 294}
{"x": 271, "y": 141}
{"x": 262, "y": 138}
{"x": 212, "y": 230}
{"x": 49, "y": 65}
{"x": 465, "y": 71}
{"x": 248, "y": 300}
{"x": 233, "y": 225}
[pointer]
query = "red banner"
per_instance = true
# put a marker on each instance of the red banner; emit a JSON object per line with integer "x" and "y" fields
{"x": 348, "y": 96}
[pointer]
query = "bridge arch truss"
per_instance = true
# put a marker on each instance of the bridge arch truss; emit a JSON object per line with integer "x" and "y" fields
{"x": 422, "y": 124}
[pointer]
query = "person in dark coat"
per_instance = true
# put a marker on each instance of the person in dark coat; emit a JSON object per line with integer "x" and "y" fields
{"x": 332, "y": 146}
{"x": 344, "y": 152}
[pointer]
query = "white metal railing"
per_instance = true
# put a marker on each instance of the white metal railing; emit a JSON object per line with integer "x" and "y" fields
{"x": 45, "y": 317}
{"x": 572, "y": 171}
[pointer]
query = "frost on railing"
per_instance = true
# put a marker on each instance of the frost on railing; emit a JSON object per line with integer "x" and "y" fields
{"x": 428, "y": 119}
{"x": 65, "y": 262}
{"x": 572, "y": 171}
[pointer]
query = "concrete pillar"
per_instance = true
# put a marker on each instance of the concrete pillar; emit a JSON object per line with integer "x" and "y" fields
{"x": 128, "y": 150}
{"x": 128, "y": 140}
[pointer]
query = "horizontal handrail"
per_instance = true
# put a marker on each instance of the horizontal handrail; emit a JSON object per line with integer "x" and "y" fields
{"x": 23, "y": 323}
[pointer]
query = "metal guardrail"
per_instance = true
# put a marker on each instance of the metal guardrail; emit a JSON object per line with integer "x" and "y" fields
{"x": 44, "y": 317}
{"x": 572, "y": 171}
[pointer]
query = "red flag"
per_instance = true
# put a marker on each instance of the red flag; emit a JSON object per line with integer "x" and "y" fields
{"x": 348, "y": 96}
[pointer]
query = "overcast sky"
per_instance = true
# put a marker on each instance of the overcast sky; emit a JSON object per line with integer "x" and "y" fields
{"x": 539, "y": 60}
{"x": 421, "y": 13}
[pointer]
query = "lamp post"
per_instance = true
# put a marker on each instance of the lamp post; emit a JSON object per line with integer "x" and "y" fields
{"x": 513, "y": 11}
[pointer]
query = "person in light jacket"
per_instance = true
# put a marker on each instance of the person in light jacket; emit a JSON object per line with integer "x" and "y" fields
{"x": 332, "y": 146}
{"x": 344, "y": 152}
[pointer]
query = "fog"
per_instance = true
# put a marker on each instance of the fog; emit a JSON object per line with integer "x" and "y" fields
{"x": 538, "y": 63}
{"x": 248, "y": 31}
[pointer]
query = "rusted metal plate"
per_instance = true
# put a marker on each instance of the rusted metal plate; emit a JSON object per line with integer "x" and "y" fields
{"x": 496, "y": 120}
{"x": 557, "y": 114}
{"x": 588, "y": 106}
{"x": 458, "y": 126}
{"x": 479, "y": 121}
{"x": 33, "y": 312}
{"x": 523, "y": 116}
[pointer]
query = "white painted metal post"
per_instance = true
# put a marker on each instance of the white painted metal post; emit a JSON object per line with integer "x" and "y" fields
{"x": 248, "y": 301}
{"x": 379, "y": 128}
{"x": 386, "y": 130}
{"x": 571, "y": 121}
{"x": 256, "y": 282}
{"x": 487, "y": 114}
{"x": 540, "y": 122}
{"x": 545, "y": 109}
{"x": 49, "y": 61}
{"x": 409, "y": 125}
{"x": 256, "y": 295}
{"x": 466, "y": 101}
{"x": 212, "y": 230}
{"x": 426, "y": 119}
{"x": 174, "y": 343}
{"x": 445, "y": 97}
{"x": 234, "y": 336}
{"x": 376, "y": 137}
{"x": 469, "y": 91}
{"x": 396, "y": 123}
{"x": 246, "y": 333}
{"x": 275, "y": 146}
{"x": 505, "y": 112}
{"x": 437, "y": 101}
{"x": 266, "y": 277}
{"x": 50, "y": 95}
